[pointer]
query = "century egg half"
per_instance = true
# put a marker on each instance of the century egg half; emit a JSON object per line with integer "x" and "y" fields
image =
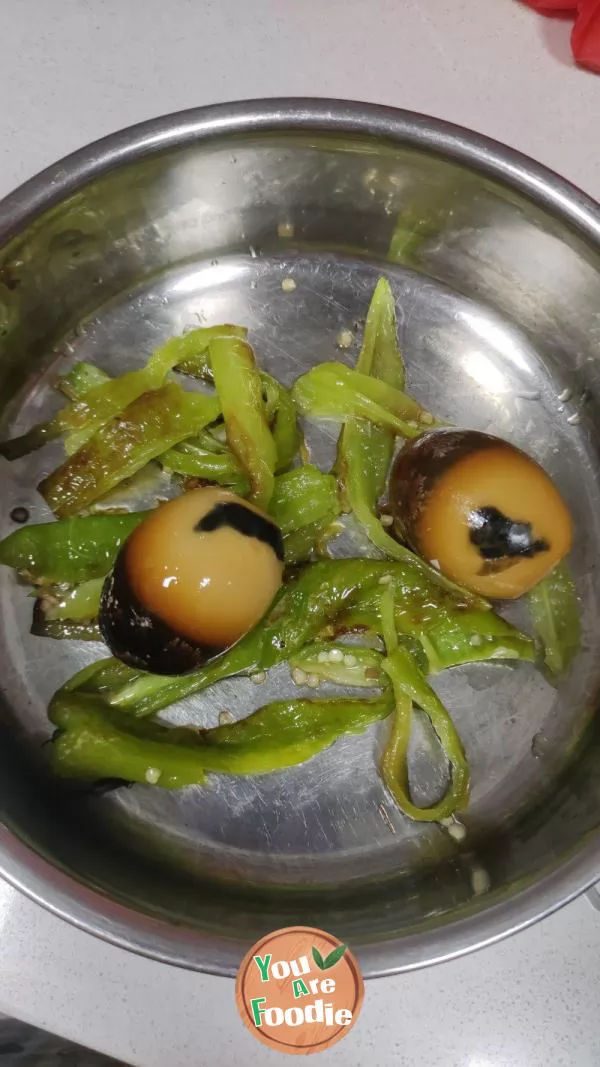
{"x": 190, "y": 581}
{"x": 480, "y": 510}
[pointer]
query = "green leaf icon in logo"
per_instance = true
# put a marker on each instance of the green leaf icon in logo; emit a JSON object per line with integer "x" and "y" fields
{"x": 330, "y": 960}
{"x": 317, "y": 957}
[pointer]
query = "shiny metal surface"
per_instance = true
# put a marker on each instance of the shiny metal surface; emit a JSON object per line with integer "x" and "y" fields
{"x": 200, "y": 217}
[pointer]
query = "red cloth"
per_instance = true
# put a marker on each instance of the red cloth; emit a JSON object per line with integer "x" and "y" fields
{"x": 585, "y": 38}
{"x": 553, "y": 7}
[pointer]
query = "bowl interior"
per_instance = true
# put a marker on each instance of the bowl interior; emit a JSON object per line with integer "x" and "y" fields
{"x": 498, "y": 303}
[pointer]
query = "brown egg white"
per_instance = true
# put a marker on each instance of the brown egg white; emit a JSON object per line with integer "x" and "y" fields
{"x": 190, "y": 581}
{"x": 479, "y": 510}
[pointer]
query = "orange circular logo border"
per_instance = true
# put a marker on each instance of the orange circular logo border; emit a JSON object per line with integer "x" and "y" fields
{"x": 246, "y": 974}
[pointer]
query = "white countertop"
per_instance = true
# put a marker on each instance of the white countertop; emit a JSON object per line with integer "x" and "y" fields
{"x": 72, "y": 71}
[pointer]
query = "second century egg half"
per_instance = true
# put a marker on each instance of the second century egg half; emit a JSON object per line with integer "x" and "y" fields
{"x": 479, "y": 510}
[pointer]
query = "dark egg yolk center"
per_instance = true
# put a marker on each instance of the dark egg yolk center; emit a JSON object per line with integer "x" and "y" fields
{"x": 248, "y": 523}
{"x": 501, "y": 540}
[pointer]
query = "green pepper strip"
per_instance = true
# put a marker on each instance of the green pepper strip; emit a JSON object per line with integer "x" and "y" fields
{"x": 304, "y": 505}
{"x": 301, "y": 544}
{"x": 286, "y": 433}
{"x": 153, "y": 423}
{"x": 196, "y": 461}
{"x": 350, "y": 665}
{"x": 81, "y": 379}
{"x": 410, "y": 686}
{"x": 308, "y": 606}
{"x": 79, "y": 604}
{"x": 334, "y": 391}
{"x": 201, "y": 459}
{"x": 302, "y": 496}
{"x": 280, "y": 409}
{"x": 238, "y": 386}
{"x": 365, "y": 450}
{"x": 426, "y": 217}
{"x": 474, "y": 637}
{"x": 555, "y": 613}
{"x": 65, "y": 629}
{"x": 92, "y": 743}
{"x": 80, "y": 420}
{"x": 67, "y": 552}
{"x": 450, "y": 632}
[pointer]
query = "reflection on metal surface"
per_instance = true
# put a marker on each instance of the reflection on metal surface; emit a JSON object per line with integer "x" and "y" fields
{"x": 180, "y": 221}
{"x": 210, "y": 276}
{"x": 506, "y": 343}
{"x": 484, "y": 371}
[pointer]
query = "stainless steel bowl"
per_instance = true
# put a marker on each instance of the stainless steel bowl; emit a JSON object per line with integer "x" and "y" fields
{"x": 495, "y": 264}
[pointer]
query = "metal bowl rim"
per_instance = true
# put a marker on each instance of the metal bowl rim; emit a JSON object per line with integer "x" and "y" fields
{"x": 91, "y": 910}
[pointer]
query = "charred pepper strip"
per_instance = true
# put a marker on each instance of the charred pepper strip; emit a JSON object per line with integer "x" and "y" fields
{"x": 152, "y": 424}
{"x": 112, "y": 398}
{"x": 95, "y": 406}
{"x": 92, "y": 743}
{"x": 239, "y": 389}
{"x": 474, "y": 637}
